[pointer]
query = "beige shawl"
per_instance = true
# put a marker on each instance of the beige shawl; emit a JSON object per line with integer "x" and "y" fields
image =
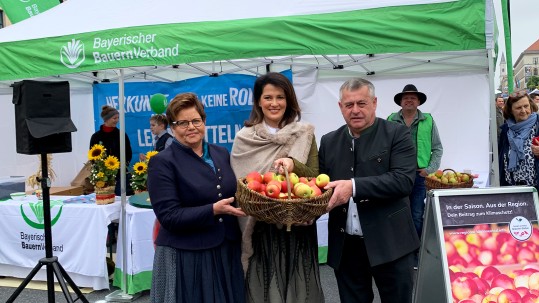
{"x": 255, "y": 149}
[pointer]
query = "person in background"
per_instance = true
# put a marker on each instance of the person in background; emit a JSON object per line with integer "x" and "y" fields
{"x": 518, "y": 163}
{"x": 162, "y": 139}
{"x": 535, "y": 99}
{"x": 191, "y": 185}
{"x": 428, "y": 146}
{"x": 109, "y": 136}
{"x": 500, "y": 103}
{"x": 280, "y": 266}
{"x": 372, "y": 163}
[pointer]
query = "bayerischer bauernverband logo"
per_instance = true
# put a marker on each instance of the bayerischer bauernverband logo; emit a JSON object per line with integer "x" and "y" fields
{"x": 72, "y": 54}
{"x": 37, "y": 209}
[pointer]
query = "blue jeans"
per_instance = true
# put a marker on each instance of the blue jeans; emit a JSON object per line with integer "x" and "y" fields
{"x": 417, "y": 202}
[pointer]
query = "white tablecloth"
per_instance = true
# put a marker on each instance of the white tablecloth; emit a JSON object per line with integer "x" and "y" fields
{"x": 79, "y": 234}
{"x": 140, "y": 245}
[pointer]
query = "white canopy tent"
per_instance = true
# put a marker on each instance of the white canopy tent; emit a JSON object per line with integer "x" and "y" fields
{"x": 440, "y": 45}
{"x": 91, "y": 41}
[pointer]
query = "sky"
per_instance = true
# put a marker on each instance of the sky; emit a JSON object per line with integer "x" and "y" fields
{"x": 524, "y": 28}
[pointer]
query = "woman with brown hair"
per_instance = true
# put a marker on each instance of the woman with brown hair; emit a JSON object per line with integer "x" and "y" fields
{"x": 192, "y": 186}
{"x": 518, "y": 162}
{"x": 280, "y": 265}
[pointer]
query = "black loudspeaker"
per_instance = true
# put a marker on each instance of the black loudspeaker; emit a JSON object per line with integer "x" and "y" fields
{"x": 42, "y": 117}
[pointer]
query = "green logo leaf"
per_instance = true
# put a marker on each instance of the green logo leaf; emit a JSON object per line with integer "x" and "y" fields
{"x": 37, "y": 209}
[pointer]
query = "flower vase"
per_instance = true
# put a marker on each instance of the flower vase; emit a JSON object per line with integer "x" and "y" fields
{"x": 104, "y": 195}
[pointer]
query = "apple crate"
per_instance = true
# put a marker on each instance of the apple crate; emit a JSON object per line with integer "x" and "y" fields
{"x": 281, "y": 211}
{"x": 437, "y": 184}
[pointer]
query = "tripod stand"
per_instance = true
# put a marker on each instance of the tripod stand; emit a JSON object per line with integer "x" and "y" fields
{"x": 50, "y": 261}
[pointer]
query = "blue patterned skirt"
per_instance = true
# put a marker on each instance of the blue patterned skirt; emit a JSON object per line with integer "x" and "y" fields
{"x": 208, "y": 276}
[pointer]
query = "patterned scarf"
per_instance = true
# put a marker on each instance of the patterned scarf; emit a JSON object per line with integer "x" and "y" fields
{"x": 517, "y": 134}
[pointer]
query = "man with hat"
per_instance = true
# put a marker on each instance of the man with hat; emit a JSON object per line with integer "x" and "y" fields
{"x": 428, "y": 145}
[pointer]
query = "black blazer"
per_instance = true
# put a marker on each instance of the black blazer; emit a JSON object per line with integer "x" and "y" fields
{"x": 183, "y": 188}
{"x": 384, "y": 174}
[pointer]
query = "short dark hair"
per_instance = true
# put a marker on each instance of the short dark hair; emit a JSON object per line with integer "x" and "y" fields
{"x": 184, "y": 101}
{"x": 292, "y": 112}
{"x": 513, "y": 98}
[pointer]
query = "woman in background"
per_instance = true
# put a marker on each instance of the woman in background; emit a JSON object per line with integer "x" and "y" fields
{"x": 518, "y": 163}
{"x": 192, "y": 186}
{"x": 280, "y": 266}
{"x": 108, "y": 135}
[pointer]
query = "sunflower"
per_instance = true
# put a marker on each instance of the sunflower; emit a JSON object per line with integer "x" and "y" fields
{"x": 100, "y": 184}
{"x": 100, "y": 174}
{"x": 112, "y": 163}
{"x": 151, "y": 154}
{"x": 96, "y": 152}
{"x": 140, "y": 168}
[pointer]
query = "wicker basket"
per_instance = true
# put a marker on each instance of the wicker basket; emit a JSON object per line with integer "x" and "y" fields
{"x": 436, "y": 184}
{"x": 281, "y": 211}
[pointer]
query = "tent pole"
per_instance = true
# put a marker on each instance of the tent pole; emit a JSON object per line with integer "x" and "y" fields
{"x": 494, "y": 179}
{"x": 122, "y": 295}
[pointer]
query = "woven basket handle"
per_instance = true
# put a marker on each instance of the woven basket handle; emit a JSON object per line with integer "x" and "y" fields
{"x": 287, "y": 182}
{"x": 450, "y": 170}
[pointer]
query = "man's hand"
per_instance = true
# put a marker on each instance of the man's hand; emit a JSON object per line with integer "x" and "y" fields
{"x": 342, "y": 192}
{"x": 423, "y": 172}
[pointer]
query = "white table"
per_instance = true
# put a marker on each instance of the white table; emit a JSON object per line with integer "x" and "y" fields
{"x": 78, "y": 238}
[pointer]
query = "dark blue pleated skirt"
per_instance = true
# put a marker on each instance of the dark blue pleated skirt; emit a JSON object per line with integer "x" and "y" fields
{"x": 208, "y": 276}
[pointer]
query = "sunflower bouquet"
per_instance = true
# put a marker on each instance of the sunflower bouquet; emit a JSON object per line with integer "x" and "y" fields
{"x": 140, "y": 173}
{"x": 104, "y": 168}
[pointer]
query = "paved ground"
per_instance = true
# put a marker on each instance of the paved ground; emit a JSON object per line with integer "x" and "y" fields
{"x": 40, "y": 296}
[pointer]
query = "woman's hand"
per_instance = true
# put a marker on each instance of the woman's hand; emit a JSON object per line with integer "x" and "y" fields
{"x": 284, "y": 162}
{"x": 535, "y": 150}
{"x": 305, "y": 223}
{"x": 223, "y": 207}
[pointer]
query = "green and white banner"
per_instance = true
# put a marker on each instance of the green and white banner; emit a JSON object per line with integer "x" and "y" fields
{"x": 126, "y": 33}
{"x": 18, "y": 10}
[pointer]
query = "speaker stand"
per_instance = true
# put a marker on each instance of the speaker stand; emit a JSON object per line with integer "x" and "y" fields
{"x": 50, "y": 261}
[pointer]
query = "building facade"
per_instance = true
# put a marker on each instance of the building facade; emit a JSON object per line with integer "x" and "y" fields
{"x": 526, "y": 66}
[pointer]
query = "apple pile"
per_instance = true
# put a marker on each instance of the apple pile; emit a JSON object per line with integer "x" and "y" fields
{"x": 449, "y": 177}
{"x": 487, "y": 284}
{"x": 467, "y": 248}
{"x": 493, "y": 267}
{"x": 275, "y": 186}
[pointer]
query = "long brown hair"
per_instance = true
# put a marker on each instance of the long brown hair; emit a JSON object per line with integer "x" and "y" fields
{"x": 292, "y": 112}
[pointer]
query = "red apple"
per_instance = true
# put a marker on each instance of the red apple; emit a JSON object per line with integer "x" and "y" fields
{"x": 509, "y": 296}
{"x": 486, "y": 257}
{"x": 316, "y": 191}
{"x": 489, "y": 273}
{"x": 254, "y": 175}
{"x": 269, "y": 176}
{"x": 482, "y": 285}
{"x": 273, "y": 189}
{"x": 504, "y": 281}
{"x": 303, "y": 180}
{"x": 522, "y": 291}
{"x": 525, "y": 255}
{"x": 530, "y": 298}
{"x": 463, "y": 288}
{"x": 322, "y": 180}
{"x": 254, "y": 185}
{"x": 284, "y": 186}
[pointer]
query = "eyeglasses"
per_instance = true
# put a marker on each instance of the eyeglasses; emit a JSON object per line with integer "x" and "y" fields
{"x": 185, "y": 123}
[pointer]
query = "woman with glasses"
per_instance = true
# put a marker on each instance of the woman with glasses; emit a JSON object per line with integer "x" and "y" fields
{"x": 280, "y": 266}
{"x": 518, "y": 162}
{"x": 191, "y": 187}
